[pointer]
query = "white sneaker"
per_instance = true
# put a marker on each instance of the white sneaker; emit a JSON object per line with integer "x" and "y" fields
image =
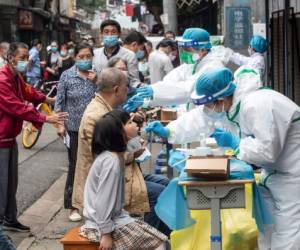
{"x": 75, "y": 216}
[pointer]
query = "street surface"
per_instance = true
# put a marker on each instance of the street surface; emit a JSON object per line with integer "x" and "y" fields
{"x": 39, "y": 168}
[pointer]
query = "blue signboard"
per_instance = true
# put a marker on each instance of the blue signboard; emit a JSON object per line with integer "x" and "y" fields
{"x": 238, "y": 27}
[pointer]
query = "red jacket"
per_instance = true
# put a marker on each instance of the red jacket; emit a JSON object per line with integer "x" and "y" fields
{"x": 13, "y": 109}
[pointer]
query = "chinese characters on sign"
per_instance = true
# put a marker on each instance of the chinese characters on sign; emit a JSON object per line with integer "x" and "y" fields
{"x": 238, "y": 27}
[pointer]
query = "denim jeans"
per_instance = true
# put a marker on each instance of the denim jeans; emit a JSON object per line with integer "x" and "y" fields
{"x": 5, "y": 243}
{"x": 155, "y": 185}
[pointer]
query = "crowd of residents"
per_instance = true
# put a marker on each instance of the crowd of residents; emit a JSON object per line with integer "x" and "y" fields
{"x": 99, "y": 110}
{"x": 93, "y": 83}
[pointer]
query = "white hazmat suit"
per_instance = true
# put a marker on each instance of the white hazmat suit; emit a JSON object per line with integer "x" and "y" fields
{"x": 256, "y": 61}
{"x": 269, "y": 126}
{"x": 191, "y": 125}
{"x": 177, "y": 86}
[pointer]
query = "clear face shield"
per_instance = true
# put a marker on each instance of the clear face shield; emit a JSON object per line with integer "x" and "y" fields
{"x": 187, "y": 53}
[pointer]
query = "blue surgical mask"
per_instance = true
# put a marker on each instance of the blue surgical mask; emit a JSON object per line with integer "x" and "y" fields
{"x": 140, "y": 54}
{"x": 53, "y": 49}
{"x": 84, "y": 64}
{"x": 213, "y": 114}
{"x": 63, "y": 53}
{"x": 22, "y": 66}
{"x": 110, "y": 41}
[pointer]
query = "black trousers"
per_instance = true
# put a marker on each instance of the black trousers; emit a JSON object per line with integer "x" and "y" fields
{"x": 72, "y": 155}
{"x": 8, "y": 183}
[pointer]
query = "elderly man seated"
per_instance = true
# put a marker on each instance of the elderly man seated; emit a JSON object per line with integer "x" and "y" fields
{"x": 140, "y": 191}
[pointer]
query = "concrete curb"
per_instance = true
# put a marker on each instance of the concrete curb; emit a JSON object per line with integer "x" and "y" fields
{"x": 42, "y": 211}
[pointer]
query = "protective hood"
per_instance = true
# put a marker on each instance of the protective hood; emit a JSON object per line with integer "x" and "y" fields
{"x": 195, "y": 37}
{"x": 259, "y": 43}
{"x": 213, "y": 85}
{"x": 247, "y": 81}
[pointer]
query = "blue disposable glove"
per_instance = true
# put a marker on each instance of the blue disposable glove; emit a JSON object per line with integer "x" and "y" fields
{"x": 133, "y": 103}
{"x": 145, "y": 92}
{"x": 177, "y": 160}
{"x": 157, "y": 128}
{"x": 225, "y": 139}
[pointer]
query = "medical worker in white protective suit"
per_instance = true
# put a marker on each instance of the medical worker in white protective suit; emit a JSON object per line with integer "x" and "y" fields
{"x": 177, "y": 85}
{"x": 191, "y": 126}
{"x": 267, "y": 134}
{"x": 258, "y": 46}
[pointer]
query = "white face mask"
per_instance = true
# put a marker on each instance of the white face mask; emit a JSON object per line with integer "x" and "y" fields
{"x": 144, "y": 156}
{"x": 250, "y": 51}
{"x": 213, "y": 114}
{"x": 134, "y": 144}
{"x": 196, "y": 57}
{"x": 172, "y": 57}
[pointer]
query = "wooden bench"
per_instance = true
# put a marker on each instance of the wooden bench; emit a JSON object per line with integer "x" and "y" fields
{"x": 73, "y": 241}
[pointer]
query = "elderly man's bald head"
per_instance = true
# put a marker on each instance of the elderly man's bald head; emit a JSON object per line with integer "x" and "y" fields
{"x": 113, "y": 86}
{"x": 110, "y": 78}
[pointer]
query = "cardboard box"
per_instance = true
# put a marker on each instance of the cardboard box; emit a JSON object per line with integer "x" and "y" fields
{"x": 210, "y": 168}
{"x": 167, "y": 115}
{"x": 164, "y": 115}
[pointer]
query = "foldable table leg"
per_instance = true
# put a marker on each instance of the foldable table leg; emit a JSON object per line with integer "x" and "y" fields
{"x": 216, "y": 225}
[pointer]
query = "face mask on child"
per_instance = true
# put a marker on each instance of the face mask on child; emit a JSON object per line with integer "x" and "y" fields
{"x": 144, "y": 156}
{"x": 134, "y": 144}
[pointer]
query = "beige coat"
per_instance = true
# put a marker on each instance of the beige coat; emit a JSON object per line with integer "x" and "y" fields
{"x": 136, "y": 197}
{"x": 135, "y": 189}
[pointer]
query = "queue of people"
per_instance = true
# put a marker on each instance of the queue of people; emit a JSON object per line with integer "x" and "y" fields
{"x": 100, "y": 92}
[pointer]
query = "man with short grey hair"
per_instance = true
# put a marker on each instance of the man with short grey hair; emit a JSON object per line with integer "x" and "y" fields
{"x": 14, "y": 109}
{"x": 112, "y": 91}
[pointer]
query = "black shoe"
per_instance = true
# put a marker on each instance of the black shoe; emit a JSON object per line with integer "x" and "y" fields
{"x": 15, "y": 226}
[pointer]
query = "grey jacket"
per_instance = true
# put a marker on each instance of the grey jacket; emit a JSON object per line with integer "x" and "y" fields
{"x": 104, "y": 194}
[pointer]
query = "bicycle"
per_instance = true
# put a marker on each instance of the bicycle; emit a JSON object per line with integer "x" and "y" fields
{"x": 30, "y": 134}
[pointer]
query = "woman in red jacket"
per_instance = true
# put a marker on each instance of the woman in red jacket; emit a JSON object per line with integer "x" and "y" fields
{"x": 13, "y": 110}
